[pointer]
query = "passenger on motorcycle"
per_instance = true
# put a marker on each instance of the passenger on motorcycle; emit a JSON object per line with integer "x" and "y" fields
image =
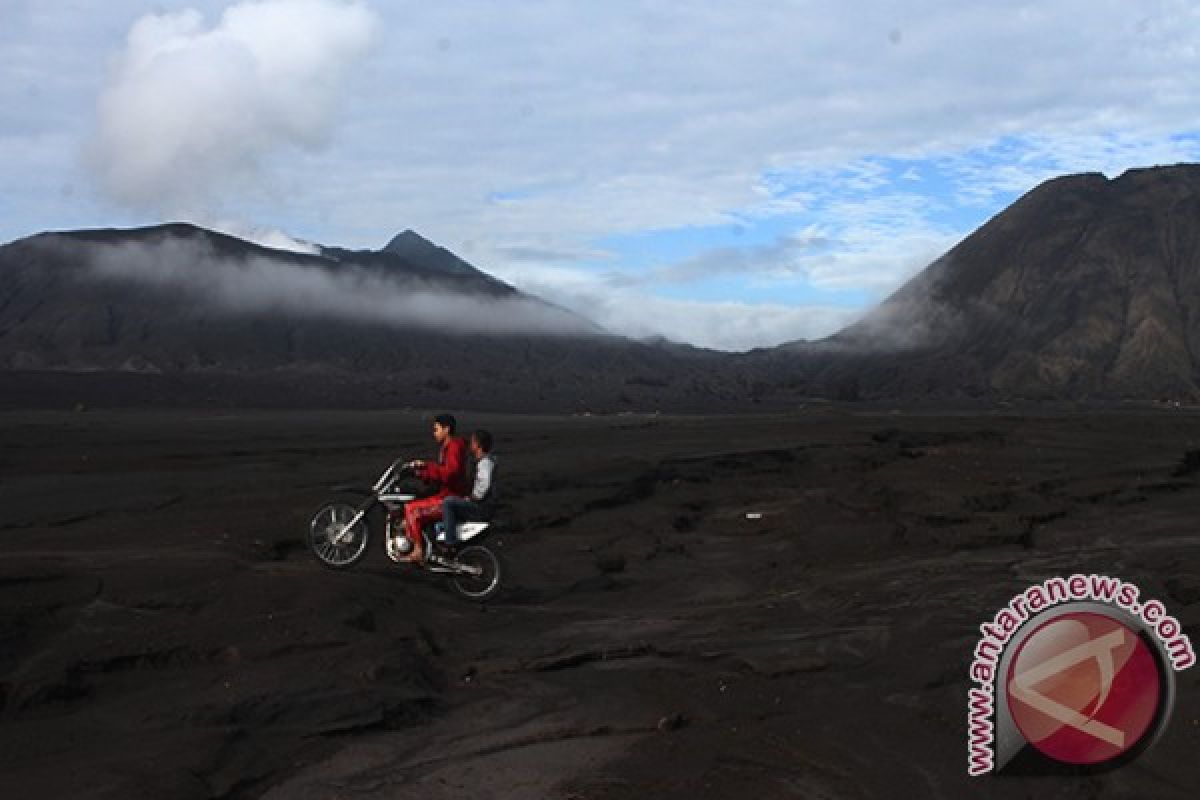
{"x": 478, "y": 506}
{"x": 448, "y": 473}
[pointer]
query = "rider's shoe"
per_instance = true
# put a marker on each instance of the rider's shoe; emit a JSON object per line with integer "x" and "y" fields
{"x": 399, "y": 548}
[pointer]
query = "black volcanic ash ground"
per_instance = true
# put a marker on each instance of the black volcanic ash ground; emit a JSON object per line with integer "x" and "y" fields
{"x": 166, "y": 634}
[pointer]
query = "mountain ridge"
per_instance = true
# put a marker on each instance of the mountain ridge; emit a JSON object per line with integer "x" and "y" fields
{"x": 1086, "y": 289}
{"x": 176, "y": 311}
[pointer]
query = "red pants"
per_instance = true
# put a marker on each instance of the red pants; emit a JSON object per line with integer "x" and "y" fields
{"x": 418, "y": 514}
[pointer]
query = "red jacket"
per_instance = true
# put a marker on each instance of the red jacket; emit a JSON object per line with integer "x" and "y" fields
{"x": 450, "y": 471}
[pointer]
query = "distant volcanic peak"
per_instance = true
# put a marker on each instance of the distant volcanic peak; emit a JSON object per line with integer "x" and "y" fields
{"x": 1060, "y": 234}
{"x": 1083, "y": 287}
{"x": 412, "y": 246}
{"x": 407, "y": 241}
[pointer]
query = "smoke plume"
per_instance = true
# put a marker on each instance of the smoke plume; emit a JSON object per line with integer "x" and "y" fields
{"x": 191, "y": 111}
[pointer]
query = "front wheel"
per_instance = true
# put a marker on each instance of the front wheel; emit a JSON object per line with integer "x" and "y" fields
{"x": 338, "y": 533}
{"x": 480, "y": 578}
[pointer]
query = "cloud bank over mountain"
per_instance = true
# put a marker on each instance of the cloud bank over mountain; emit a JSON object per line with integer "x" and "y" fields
{"x": 192, "y": 268}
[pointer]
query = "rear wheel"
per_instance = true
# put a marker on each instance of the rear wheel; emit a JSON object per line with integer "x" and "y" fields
{"x": 333, "y": 540}
{"x": 480, "y": 579}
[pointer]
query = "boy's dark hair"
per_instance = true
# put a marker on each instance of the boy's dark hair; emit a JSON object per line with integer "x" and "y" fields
{"x": 446, "y": 421}
{"x": 484, "y": 438}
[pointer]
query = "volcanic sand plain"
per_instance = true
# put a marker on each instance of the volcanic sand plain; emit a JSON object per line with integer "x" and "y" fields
{"x": 695, "y": 606}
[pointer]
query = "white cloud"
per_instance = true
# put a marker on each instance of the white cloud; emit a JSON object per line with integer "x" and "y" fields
{"x": 191, "y": 111}
{"x": 1008, "y": 167}
{"x": 625, "y": 117}
{"x": 635, "y": 311}
{"x": 872, "y": 245}
{"x": 872, "y": 238}
{"x": 880, "y": 243}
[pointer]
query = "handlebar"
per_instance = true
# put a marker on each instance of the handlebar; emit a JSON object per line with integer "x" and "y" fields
{"x": 394, "y": 469}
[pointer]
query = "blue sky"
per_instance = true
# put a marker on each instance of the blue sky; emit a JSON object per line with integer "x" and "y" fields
{"x": 730, "y": 175}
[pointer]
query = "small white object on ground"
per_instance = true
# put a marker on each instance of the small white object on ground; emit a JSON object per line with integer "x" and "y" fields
{"x": 754, "y": 515}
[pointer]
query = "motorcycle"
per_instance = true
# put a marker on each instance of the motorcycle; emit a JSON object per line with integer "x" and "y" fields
{"x": 343, "y": 526}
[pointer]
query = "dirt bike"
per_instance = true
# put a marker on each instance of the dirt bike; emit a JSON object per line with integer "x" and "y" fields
{"x": 343, "y": 526}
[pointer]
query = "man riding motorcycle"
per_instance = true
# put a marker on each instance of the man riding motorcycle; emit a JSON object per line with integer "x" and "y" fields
{"x": 448, "y": 474}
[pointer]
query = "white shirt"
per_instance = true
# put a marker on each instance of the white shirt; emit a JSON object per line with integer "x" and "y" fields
{"x": 483, "y": 477}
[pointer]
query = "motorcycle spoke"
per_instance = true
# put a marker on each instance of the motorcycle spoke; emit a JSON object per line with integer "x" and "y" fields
{"x": 338, "y": 534}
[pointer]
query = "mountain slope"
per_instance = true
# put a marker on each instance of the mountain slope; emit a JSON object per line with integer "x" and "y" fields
{"x": 1085, "y": 288}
